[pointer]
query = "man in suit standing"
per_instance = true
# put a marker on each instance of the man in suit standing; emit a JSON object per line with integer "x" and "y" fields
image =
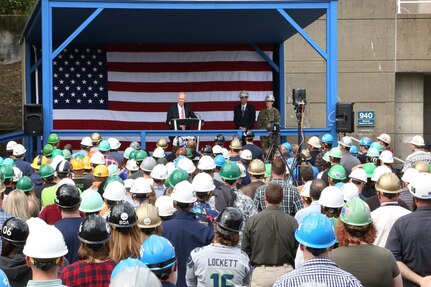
{"x": 244, "y": 114}
{"x": 180, "y": 110}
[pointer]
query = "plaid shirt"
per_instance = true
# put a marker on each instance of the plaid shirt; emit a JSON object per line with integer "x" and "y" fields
{"x": 109, "y": 160}
{"x": 291, "y": 199}
{"x": 82, "y": 274}
{"x": 318, "y": 270}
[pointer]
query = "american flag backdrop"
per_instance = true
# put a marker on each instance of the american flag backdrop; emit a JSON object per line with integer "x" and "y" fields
{"x": 129, "y": 87}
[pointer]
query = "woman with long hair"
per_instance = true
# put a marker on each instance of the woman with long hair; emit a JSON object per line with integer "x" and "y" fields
{"x": 374, "y": 266}
{"x": 17, "y": 205}
{"x": 126, "y": 237}
{"x": 93, "y": 254}
{"x": 26, "y": 185}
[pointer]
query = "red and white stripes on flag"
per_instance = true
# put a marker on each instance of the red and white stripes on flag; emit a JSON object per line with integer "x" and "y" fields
{"x": 144, "y": 80}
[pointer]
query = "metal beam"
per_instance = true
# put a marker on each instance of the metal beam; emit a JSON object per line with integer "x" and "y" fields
{"x": 77, "y": 32}
{"x": 331, "y": 67}
{"x": 265, "y": 57}
{"x": 304, "y": 34}
{"x": 281, "y": 86}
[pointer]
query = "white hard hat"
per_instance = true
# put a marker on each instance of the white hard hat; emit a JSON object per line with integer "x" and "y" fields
{"x": 420, "y": 187}
{"x": 384, "y": 138}
{"x": 86, "y": 141}
{"x": 331, "y": 197}
{"x": 132, "y": 165}
{"x": 18, "y": 150}
{"x": 97, "y": 158}
{"x": 66, "y": 180}
{"x": 346, "y": 141}
{"x": 128, "y": 183}
{"x": 203, "y": 182}
{"x": 314, "y": 142}
{"x": 148, "y": 164}
{"x": 246, "y": 155}
{"x": 114, "y": 143}
{"x": 225, "y": 153}
{"x": 386, "y": 156}
{"x": 206, "y": 163}
{"x": 359, "y": 174}
{"x": 159, "y": 152}
{"x": 379, "y": 171}
{"x": 306, "y": 189}
{"x": 217, "y": 149}
{"x": 187, "y": 165}
{"x": 350, "y": 190}
{"x": 159, "y": 172}
{"x": 141, "y": 186}
{"x": 165, "y": 205}
{"x": 242, "y": 169}
{"x": 35, "y": 223}
{"x": 56, "y": 160}
{"x": 114, "y": 191}
{"x": 269, "y": 98}
{"x": 10, "y": 145}
{"x": 417, "y": 141}
{"x": 17, "y": 174}
{"x": 184, "y": 192}
{"x": 409, "y": 174}
{"x": 45, "y": 242}
{"x": 178, "y": 141}
{"x": 170, "y": 166}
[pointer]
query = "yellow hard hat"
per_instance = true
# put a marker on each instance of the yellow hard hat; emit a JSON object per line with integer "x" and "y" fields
{"x": 38, "y": 161}
{"x": 86, "y": 161}
{"x": 101, "y": 171}
{"x": 77, "y": 164}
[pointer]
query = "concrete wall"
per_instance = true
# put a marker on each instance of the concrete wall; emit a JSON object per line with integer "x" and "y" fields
{"x": 374, "y": 43}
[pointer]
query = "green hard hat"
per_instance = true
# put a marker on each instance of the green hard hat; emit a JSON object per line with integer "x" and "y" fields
{"x": 356, "y": 212}
{"x": 369, "y": 169}
{"x": 230, "y": 171}
{"x": 127, "y": 152}
{"x": 45, "y": 171}
{"x": 268, "y": 167}
{"x": 373, "y": 152}
{"x": 132, "y": 154}
{"x": 91, "y": 201}
{"x": 377, "y": 146}
{"x": 178, "y": 176}
{"x": 56, "y": 151}
{"x": 66, "y": 153}
{"x": 48, "y": 149}
{"x": 336, "y": 152}
{"x": 167, "y": 183}
{"x": 9, "y": 161}
{"x": 111, "y": 179}
{"x": 53, "y": 139}
{"x": 104, "y": 146}
{"x": 140, "y": 155}
{"x": 113, "y": 169}
{"x": 25, "y": 184}
{"x": 337, "y": 172}
{"x": 326, "y": 157}
{"x": 7, "y": 171}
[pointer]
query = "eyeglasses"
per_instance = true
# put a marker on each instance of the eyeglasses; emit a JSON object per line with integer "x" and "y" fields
{"x": 357, "y": 182}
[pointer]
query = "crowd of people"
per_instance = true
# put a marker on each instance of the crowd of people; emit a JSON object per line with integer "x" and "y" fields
{"x": 331, "y": 214}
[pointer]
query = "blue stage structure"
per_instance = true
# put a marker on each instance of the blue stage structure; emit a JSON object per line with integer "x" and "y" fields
{"x": 54, "y": 24}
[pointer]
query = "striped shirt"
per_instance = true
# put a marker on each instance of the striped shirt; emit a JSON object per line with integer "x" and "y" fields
{"x": 291, "y": 200}
{"x": 319, "y": 270}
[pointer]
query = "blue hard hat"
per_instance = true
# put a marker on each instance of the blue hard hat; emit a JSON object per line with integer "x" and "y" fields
{"x": 316, "y": 231}
{"x": 4, "y": 282}
{"x": 219, "y": 160}
{"x": 354, "y": 150}
{"x": 377, "y": 146}
{"x": 365, "y": 141}
{"x": 158, "y": 253}
{"x": 177, "y": 160}
{"x": 327, "y": 138}
{"x": 123, "y": 264}
{"x": 339, "y": 185}
{"x": 288, "y": 146}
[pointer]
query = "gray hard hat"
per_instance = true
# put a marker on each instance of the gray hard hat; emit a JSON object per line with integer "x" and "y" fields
{"x": 243, "y": 94}
{"x": 148, "y": 164}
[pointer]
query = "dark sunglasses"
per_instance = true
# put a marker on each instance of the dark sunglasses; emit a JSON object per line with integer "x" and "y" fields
{"x": 357, "y": 182}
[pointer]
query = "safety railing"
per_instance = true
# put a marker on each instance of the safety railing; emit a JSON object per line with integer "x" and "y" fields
{"x": 414, "y": 6}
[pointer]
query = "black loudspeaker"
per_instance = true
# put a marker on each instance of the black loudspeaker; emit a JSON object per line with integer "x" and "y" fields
{"x": 345, "y": 118}
{"x": 33, "y": 119}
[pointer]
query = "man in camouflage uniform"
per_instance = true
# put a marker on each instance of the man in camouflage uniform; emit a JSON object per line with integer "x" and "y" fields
{"x": 270, "y": 114}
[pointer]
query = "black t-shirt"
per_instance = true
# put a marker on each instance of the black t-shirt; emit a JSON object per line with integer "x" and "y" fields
{"x": 82, "y": 183}
{"x": 256, "y": 152}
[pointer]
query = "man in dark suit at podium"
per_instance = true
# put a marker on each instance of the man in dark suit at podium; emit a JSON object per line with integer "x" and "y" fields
{"x": 244, "y": 114}
{"x": 180, "y": 110}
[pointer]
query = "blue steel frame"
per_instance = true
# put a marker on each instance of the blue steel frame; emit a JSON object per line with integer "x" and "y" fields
{"x": 329, "y": 55}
